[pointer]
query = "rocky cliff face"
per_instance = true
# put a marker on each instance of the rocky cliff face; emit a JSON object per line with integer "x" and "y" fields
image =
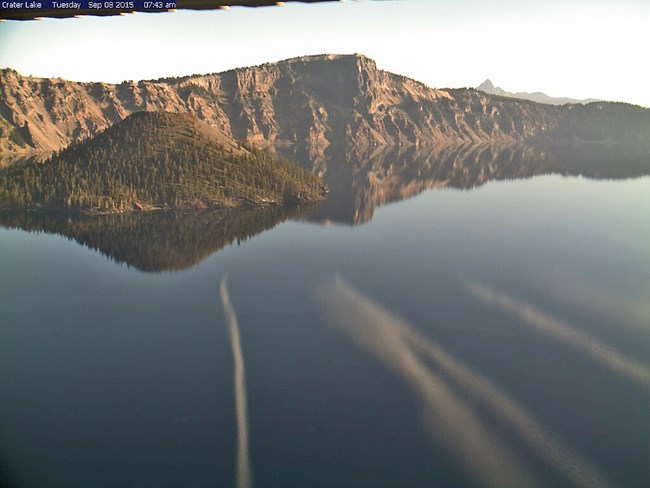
{"x": 315, "y": 101}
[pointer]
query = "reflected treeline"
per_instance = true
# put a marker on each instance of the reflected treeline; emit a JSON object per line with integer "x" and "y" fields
{"x": 360, "y": 179}
{"x": 363, "y": 178}
{"x": 154, "y": 241}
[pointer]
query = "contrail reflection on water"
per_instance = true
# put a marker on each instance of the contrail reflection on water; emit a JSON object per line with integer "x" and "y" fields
{"x": 511, "y": 413}
{"x": 243, "y": 476}
{"x": 452, "y": 421}
{"x": 563, "y": 332}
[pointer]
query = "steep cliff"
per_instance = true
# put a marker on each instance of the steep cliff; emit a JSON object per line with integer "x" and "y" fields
{"x": 314, "y": 100}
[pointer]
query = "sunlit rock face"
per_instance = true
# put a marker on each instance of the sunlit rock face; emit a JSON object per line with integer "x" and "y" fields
{"x": 313, "y": 100}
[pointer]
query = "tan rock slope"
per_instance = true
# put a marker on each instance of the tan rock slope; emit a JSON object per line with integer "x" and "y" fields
{"x": 314, "y": 100}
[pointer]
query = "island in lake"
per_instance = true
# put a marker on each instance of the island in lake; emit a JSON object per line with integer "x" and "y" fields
{"x": 158, "y": 160}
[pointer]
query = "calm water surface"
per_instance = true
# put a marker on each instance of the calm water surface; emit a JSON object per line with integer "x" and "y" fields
{"x": 498, "y": 336}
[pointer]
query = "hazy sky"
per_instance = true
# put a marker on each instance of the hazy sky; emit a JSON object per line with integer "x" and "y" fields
{"x": 572, "y": 48}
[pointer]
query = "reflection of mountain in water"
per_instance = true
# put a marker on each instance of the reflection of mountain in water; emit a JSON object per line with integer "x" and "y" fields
{"x": 361, "y": 179}
{"x": 154, "y": 241}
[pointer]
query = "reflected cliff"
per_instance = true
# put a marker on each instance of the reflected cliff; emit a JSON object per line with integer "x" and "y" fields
{"x": 363, "y": 178}
{"x": 154, "y": 241}
{"x": 360, "y": 179}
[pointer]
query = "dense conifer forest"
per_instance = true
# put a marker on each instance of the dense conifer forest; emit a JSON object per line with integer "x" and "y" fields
{"x": 158, "y": 160}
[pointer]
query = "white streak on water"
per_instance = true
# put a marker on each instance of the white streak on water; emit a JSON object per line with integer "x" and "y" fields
{"x": 563, "y": 332}
{"x": 243, "y": 476}
{"x": 511, "y": 413}
{"x": 453, "y": 422}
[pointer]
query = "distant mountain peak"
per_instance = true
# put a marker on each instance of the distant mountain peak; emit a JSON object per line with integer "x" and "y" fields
{"x": 487, "y": 86}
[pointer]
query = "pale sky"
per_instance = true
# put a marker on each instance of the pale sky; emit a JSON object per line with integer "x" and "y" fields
{"x": 580, "y": 49}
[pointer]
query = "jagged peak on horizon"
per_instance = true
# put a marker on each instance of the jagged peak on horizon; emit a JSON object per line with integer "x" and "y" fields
{"x": 486, "y": 85}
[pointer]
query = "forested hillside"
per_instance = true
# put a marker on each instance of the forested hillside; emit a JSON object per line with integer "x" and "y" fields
{"x": 158, "y": 160}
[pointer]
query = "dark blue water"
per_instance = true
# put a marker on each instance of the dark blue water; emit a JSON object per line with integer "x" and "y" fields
{"x": 498, "y": 336}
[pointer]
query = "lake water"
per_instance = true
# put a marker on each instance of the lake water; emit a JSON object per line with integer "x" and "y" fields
{"x": 487, "y": 331}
